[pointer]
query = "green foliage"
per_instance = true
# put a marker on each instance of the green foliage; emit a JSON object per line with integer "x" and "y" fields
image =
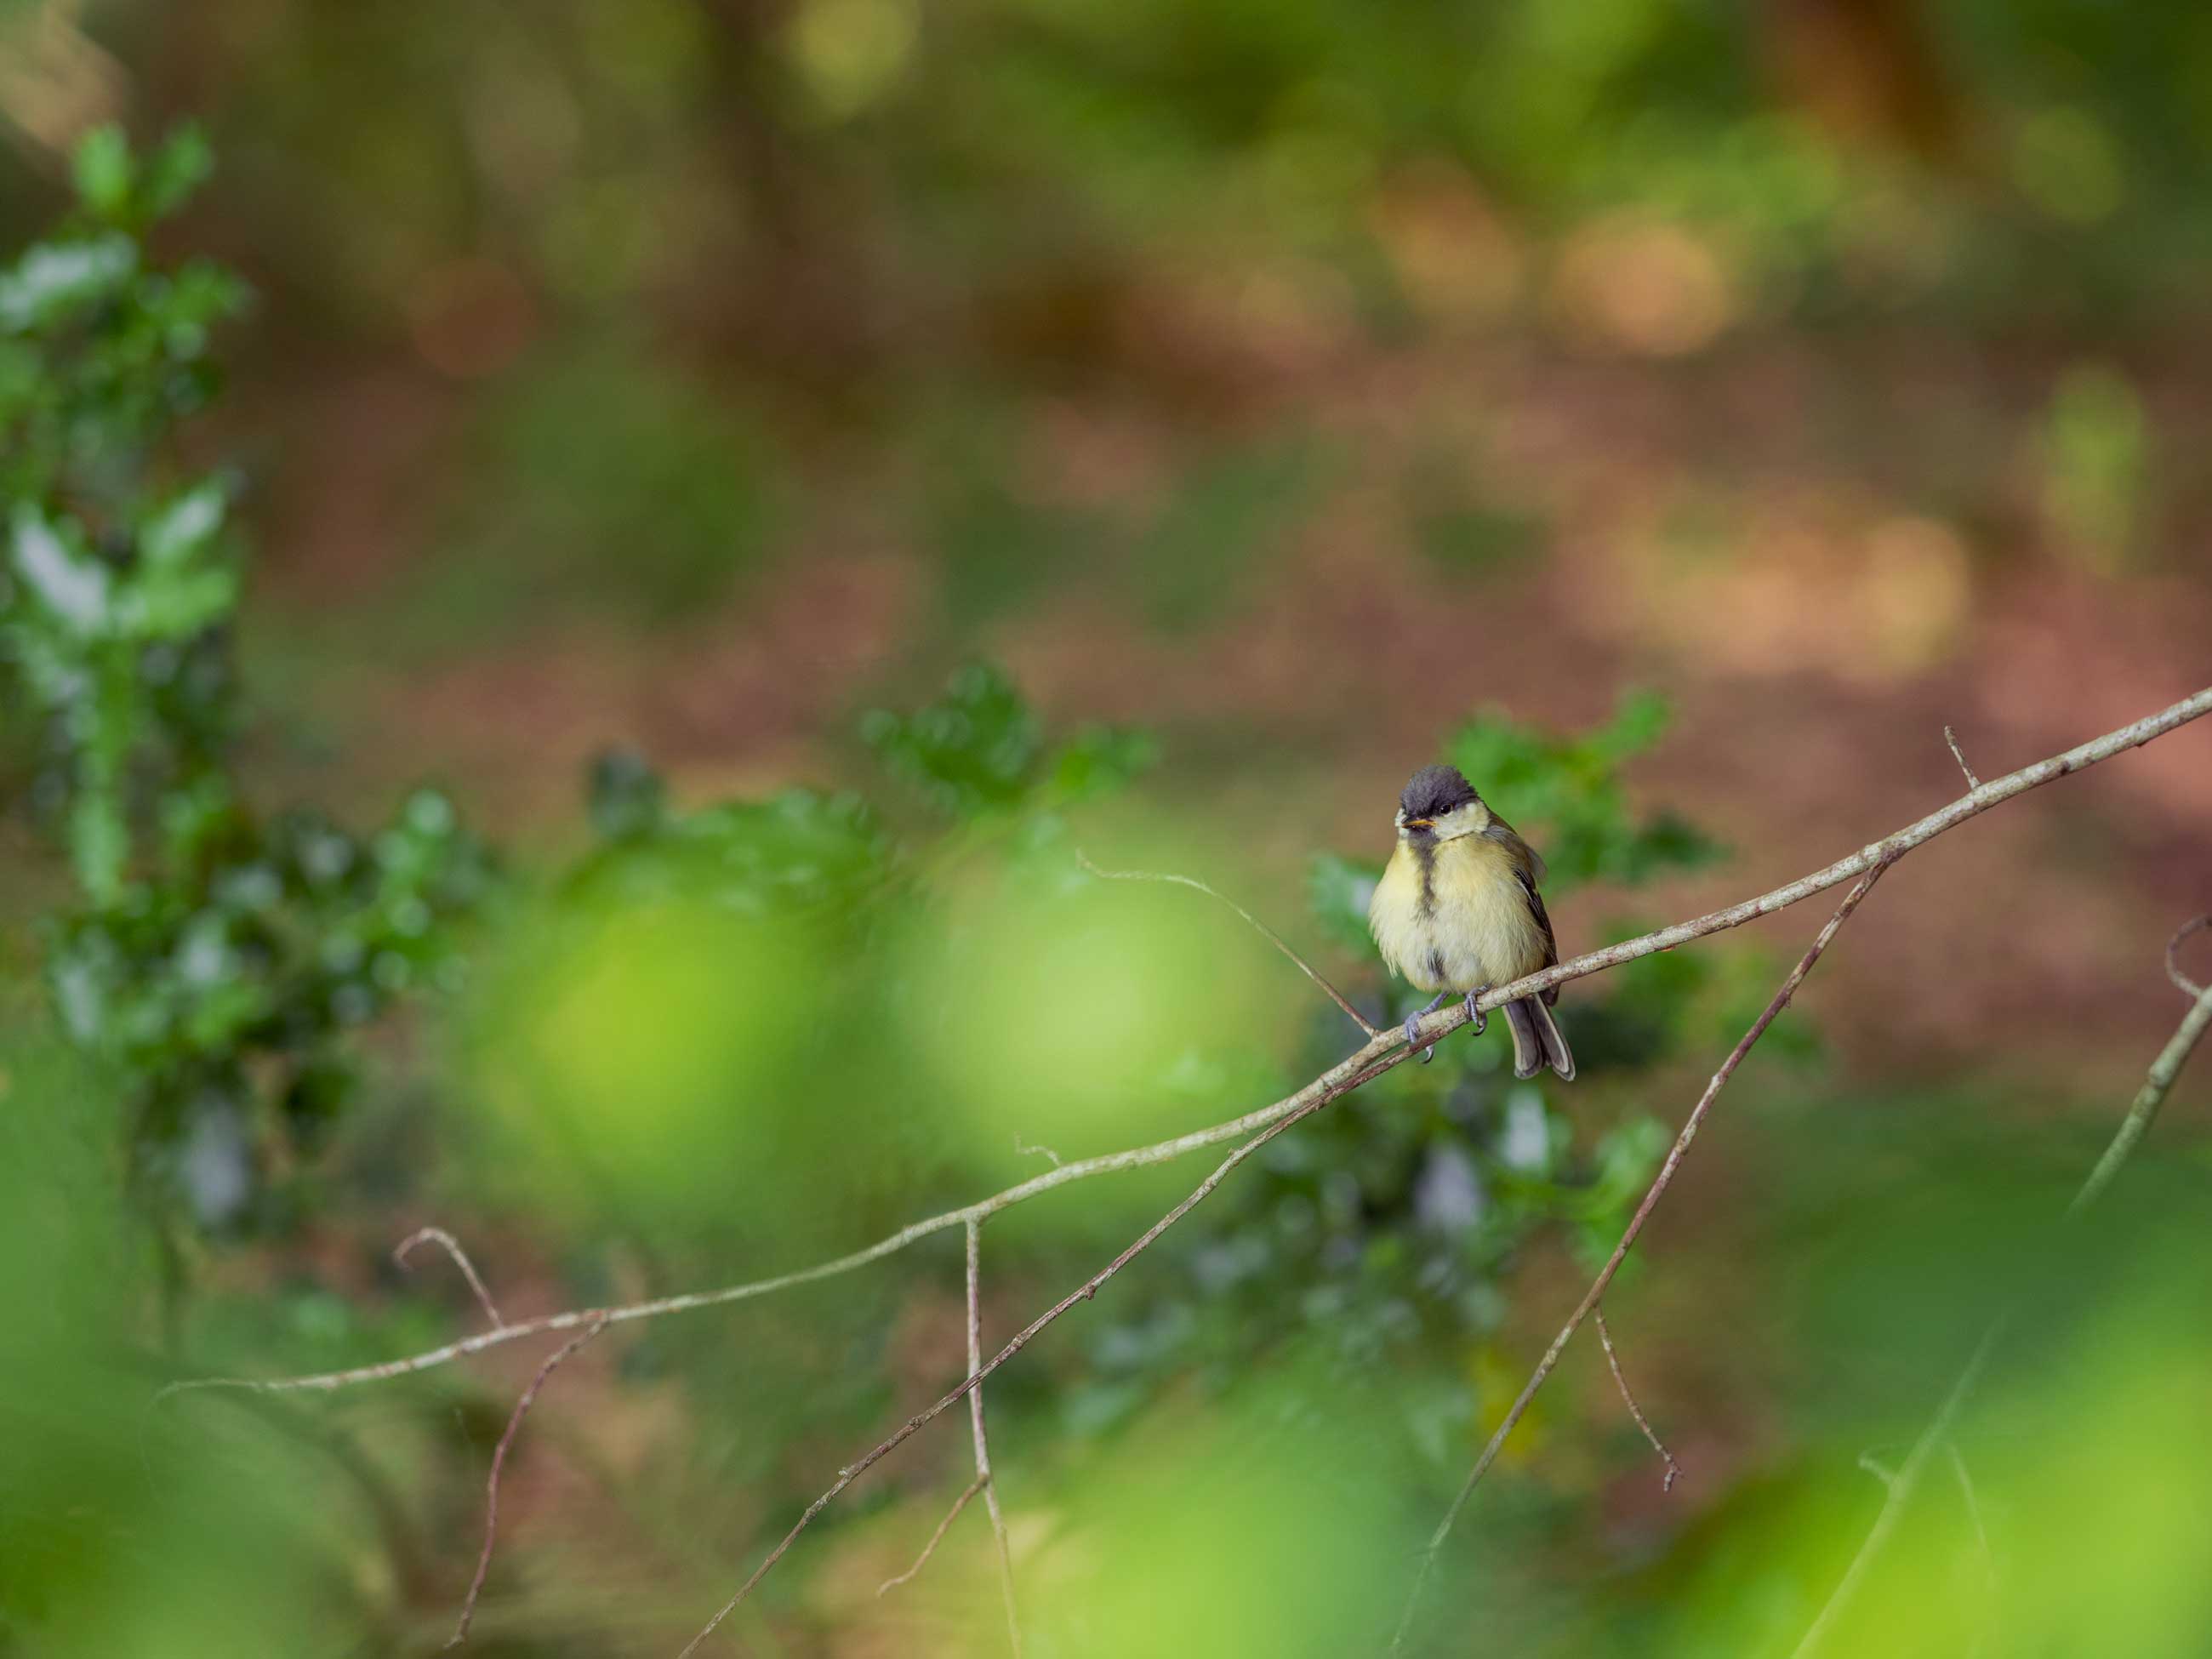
{"x": 1572, "y": 786}
{"x": 796, "y": 851}
{"x": 1386, "y": 1229}
{"x": 211, "y": 957}
{"x": 980, "y": 750}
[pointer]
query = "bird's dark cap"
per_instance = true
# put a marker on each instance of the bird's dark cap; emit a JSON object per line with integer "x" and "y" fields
{"x": 1434, "y": 791}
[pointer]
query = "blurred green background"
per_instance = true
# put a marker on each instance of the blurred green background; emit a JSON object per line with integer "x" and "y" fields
{"x": 578, "y": 575}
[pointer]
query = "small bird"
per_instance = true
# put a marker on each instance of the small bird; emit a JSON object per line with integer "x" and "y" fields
{"x": 1457, "y": 910}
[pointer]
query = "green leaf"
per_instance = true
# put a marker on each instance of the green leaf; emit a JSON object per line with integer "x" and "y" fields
{"x": 173, "y": 171}
{"x": 69, "y": 584}
{"x": 165, "y": 603}
{"x": 103, "y": 170}
{"x": 184, "y": 525}
{"x": 54, "y": 278}
{"x": 1100, "y": 760}
{"x": 798, "y": 850}
{"x": 1337, "y": 889}
{"x": 1641, "y": 720}
{"x": 975, "y": 751}
{"x": 98, "y": 845}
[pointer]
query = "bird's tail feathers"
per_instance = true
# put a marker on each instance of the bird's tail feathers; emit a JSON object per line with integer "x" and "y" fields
{"x": 1537, "y": 1041}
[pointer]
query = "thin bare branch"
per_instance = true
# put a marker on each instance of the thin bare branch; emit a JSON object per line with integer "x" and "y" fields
{"x": 1959, "y": 755}
{"x": 553, "y": 1362}
{"x": 452, "y": 1246}
{"x": 935, "y": 1539}
{"x": 2186, "y": 985}
{"x": 1266, "y": 931}
{"x": 2141, "y": 1111}
{"x": 1880, "y": 1470}
{"x": 1598, "y": 1286}
{"x": 1045, "y": 1152}
{"x": 982, "y": 1444}
{"x": 1429, "y": 1030}
{"x": 1628, "y": 1399}
{"x": 1344, "y": 1083}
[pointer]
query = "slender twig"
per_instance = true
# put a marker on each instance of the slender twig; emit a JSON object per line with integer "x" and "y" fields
{"x": 1959, "y": 755}
{"x": 1428, "y": 1030}
{"x": 452, "y": 1246}
{"x": 1880, "y": 1470}
{"x": 1047, "y": 1153}
{"x": 1628, "y": 1399}
{"x": 983, "y": 1481}
{"x": 2186, "y": 985}
{"x": 982, "y": 1444}
{"x": 1266, "y": 931}
{"x": 2141, "y": 1111}
{"x": 1022, "y": 1338}
{"x": 1598, "y": 1286}
{"x": 498, "y": 1466}
{"x": 935, "y": 1539}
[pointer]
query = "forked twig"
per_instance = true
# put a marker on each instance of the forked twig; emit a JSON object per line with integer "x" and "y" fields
{"x": 553, "y": 1362}
{"x": 1628, "y": 1399}
{"x": 1340, "y": 1082}
{"x": 983, "y": 1445}
{"x": 2186, "y": 985}
{"x": 1959, "y": 755}
{"x": 1429, "y": 1030}
{"x": 1598, "y": 1286}
{"x": 452, "y": 1246}
{"x": 1266, "y": 931}
{"x": 935, "y": 1539}
{"x": 1382, "y": 1051}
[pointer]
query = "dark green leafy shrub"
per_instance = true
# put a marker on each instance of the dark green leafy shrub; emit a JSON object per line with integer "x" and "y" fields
{"x": 213, "y": 958}
{"x": 1386, "y": 1227}
{"x": 980, "y": 750}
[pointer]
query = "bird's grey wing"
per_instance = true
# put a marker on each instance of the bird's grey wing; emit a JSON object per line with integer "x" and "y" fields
{"x": 1528, "y": 870}
{"x": 1500, "y": 830}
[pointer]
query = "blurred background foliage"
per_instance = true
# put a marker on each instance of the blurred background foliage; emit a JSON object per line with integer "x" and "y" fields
{"x": 690, "y": 401}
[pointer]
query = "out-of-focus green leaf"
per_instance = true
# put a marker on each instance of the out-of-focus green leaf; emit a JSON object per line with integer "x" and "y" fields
{"x": 57, "y": 568}
{"x": 175, "y": 171}
{"x": 104, "y": 171}
{"x": 1337, "y": 892}
{"x": 1099, "y": 760}
{"x": 184, "y": 525}
{"x": 975, "y": 751}
{"x": 798, "y": 850}
{"x": 55, "y": 278}
{"x": 1566, "y": 795}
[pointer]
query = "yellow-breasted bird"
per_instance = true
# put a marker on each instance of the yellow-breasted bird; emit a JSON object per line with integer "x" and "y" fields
{"x": 1457, "y": 910}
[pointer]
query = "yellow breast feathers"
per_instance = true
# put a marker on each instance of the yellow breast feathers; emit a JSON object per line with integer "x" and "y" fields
{"x": 1455, "y": 914}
